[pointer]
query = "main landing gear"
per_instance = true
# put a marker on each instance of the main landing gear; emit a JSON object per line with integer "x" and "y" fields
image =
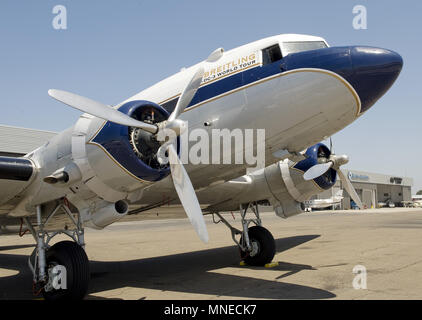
{"x": 60, "y": 271}
{"x": 256, "y": 244}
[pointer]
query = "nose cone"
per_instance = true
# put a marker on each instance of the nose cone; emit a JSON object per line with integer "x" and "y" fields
{"x": 371, "y": 71}
{"x": 375, "y": 71}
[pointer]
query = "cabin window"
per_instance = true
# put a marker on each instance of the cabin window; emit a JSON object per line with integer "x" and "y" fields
{"x": 299, "y": 46}
{"x": 170, "y": 105}
{"x": 271, "y": 54}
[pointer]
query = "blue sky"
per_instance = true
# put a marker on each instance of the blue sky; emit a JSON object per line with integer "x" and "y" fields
{"x": 113, "y": 49}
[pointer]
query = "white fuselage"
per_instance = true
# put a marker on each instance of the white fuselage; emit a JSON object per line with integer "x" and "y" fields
{"x": 296, "y": 109}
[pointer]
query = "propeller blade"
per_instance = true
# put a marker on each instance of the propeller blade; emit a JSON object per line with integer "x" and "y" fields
{"x": 215, "y": 55}
{"x": 193, "y": 85}
{"x": 349, "y": 188}
{"x": 317, "y": 170}
{"x": 188, "y": 93}
{"x": 99, "y": 110}
{"x": 187, "y": 194}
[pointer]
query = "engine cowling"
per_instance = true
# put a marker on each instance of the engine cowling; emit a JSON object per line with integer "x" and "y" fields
{"x": 116, "y": 160}
{"x": 134, "y": 148}
{"x": 281, "y": 184}
{"x": 289, "y": 193}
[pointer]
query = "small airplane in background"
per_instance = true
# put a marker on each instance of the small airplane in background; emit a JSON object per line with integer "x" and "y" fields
{"x": 324, "y": 203}
{"x": 416, "y": 202}
{"x": 110, "y": 163}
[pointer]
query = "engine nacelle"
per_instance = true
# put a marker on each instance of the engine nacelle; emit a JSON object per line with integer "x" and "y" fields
{"x": 115, "y": 160}
{"x": 282, "y": 184}
{"x": 132, "y": 148}
{"x": 289, "y": 193}
{"x": 93, "y": 159}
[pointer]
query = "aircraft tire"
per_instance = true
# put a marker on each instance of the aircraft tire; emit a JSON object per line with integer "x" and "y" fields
{"x": 264, "y": 240}
{"x": 73, "y": 257}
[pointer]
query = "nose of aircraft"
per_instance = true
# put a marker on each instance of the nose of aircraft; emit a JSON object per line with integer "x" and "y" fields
{"x": 371, "y": 71}
{"x": 374, "y": 72}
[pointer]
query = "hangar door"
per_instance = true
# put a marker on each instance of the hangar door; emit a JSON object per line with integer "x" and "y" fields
{"x": 368, "y": 198}
{"x": 407, "y": 195}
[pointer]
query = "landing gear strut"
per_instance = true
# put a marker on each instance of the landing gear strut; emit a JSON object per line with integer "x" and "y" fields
{"x": 256, "y": 244}
{"x": 60, "y": 271}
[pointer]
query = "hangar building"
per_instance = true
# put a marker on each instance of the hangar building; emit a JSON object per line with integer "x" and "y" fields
{"x": 15, "y": 142}
{"x": 373, "y": 189}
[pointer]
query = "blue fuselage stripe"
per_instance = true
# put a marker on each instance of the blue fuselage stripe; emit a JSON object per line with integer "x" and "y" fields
{"x": 229, "y": 83}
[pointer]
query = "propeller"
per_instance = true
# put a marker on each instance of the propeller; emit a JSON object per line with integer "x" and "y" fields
{"x": 350, "y": 189}
{"x": 334, "y": 162}
{"x": 317, "y": 170}
{"x": 181, "y": 180}
{"x": 187, "y": 194}
{"x": 99, "y": 110}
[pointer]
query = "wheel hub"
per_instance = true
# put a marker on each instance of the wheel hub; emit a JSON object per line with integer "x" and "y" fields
{"x": 49, "y": 285}
{"x": 254, "y": 248}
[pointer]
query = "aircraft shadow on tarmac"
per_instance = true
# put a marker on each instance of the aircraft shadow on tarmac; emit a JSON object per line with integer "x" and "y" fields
{"x": 15, "y": 247}
{"x": 186, "y": 273}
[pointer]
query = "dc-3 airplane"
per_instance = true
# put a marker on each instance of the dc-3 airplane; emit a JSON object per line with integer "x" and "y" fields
{"x": 324, "y": 203}
{"x": 296, "y": 87}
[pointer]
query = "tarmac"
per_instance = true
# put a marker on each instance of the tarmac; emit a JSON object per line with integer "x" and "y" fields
{"x": 317, "y": 252}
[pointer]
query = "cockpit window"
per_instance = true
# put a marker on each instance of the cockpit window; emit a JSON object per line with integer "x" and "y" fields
{"x": 271, "y": 54}
{"x": 299, "y": 46}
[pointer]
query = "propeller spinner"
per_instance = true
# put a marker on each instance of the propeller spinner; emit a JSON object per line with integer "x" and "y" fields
{"x": 334, "y": 161}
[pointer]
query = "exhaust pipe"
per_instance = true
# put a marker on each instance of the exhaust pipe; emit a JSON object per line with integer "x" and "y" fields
{"x": 66, "y": 176}
{"x": 108, "y": 214}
